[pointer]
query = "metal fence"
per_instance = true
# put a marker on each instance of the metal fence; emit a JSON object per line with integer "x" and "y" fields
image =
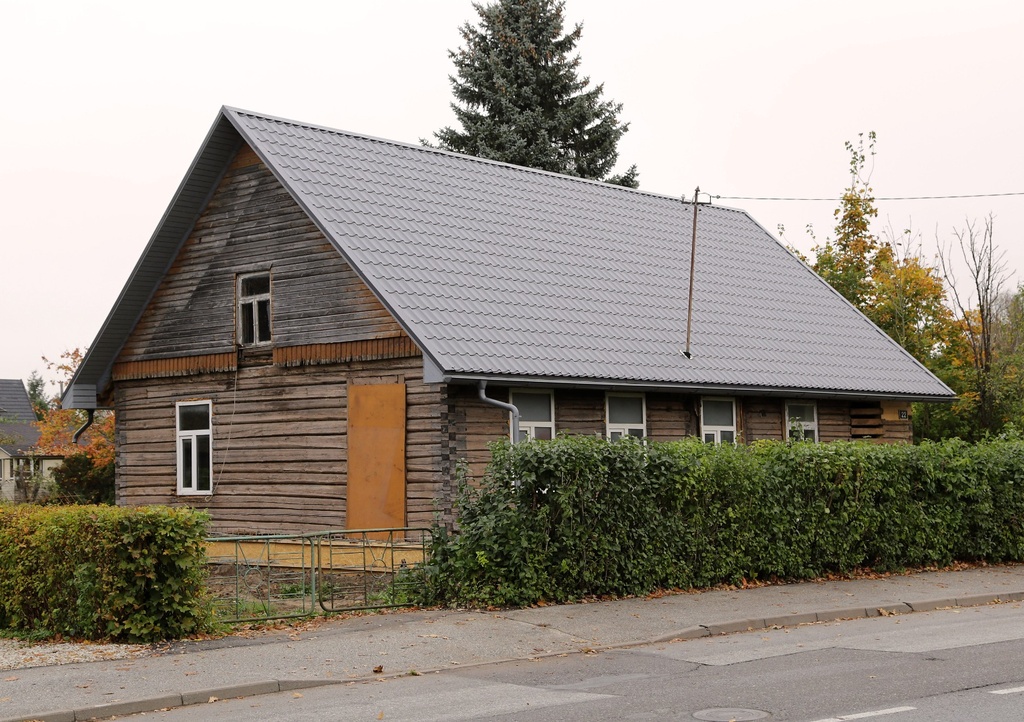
{"x": 279, "y": 576}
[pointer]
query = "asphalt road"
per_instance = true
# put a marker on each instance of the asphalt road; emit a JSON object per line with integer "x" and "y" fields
{"x": 960, "y": 664}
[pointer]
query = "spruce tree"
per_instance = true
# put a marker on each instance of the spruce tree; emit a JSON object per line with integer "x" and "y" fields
{"x": 519, "y": 99}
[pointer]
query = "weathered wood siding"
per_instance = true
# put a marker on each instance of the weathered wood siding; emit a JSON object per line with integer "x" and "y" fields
{"x": 280, "y": 413}
{"x": 896, "y": 430}
{"x": 764, "y": 419}
{"x": 834, "y": 421}
{"x": 252, "y": 224}
{"x": 669, "y": 417}
{"x": 474, "y": 425}
{"x": 279, "y": 443}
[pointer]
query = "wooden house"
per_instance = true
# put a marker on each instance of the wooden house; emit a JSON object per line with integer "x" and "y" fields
{"x": 324, "y": 324}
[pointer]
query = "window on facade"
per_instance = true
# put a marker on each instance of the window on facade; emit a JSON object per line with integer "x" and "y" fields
{"x": 626, "y": 415}
{"x": 254, "y": 309}
{"x": 718, "y": 421}
{"x": 536, "y": 414}
{"x": 802, "y": 421}
{"x": 195, "y": 460}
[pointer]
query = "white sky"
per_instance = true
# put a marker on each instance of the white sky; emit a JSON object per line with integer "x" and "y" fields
{"x": 106, "y": 104}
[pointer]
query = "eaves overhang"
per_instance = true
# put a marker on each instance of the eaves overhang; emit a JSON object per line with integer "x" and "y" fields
{"x": 704, "y": 389}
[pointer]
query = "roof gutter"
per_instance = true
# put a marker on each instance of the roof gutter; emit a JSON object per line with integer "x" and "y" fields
{"x": 482, "y": 391}
{"x": 719, "y": 389}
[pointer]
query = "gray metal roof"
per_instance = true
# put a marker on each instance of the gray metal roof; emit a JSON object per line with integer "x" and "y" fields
{"x": 15, "y": 404}
{"x": 17, "y": 418}
{"x": 498, "y": 271}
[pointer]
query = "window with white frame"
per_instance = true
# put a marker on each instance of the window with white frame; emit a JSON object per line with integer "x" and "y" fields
{"x": 802, "y": 420}
{"x": 254, "y": 309}
{"x": 536, "y": 414}
{"x": 194, "y": 447}
{"x": 718, "y": 420}
{"x": 626, "y": 415}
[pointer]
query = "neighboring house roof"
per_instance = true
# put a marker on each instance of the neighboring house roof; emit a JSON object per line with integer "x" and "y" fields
{"x": 15, "y": 404}
{"x": 18, "y": 438}
{"x": 503, "y": 272}
{"x": 17, "y": 418}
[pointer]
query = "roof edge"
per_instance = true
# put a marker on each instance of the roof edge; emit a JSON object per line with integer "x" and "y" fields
{"x": 232, "y": 115}
{"x": 830, "y": 287}
{"x": 172, "y": 230}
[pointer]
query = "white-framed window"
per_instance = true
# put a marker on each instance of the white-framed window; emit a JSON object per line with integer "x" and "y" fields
{"x": 194, "y": 446}
{"x": 254, "y": 309}
{"x": 802, "y": 420}
{"x": 718, "y": 420}
{"x": 536, "y": 414}
{"x": 625, "y": 415}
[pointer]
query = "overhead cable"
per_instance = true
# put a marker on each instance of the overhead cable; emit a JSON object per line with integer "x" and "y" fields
{"x": 874, "y": 198}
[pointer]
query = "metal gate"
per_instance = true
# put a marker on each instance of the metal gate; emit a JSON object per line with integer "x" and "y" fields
{"x": 279, "y": 576}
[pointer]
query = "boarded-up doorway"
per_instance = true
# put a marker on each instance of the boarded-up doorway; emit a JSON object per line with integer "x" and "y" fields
{"x": 376, "y": 456}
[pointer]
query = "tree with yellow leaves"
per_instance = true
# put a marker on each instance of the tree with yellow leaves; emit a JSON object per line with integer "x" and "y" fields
{"x": 87, "y": 473}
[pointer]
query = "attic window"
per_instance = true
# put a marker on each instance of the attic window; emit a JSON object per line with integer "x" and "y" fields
{"x": 254, "y": 309}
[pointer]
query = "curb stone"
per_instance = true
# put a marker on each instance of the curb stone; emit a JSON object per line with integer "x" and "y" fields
{"x": 185, "y": 699}
{"x": 931, "y": 605}
{"x": 887, "y": 610}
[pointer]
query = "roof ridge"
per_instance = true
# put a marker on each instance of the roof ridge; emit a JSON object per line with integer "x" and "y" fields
{"x": 463, "y": 156}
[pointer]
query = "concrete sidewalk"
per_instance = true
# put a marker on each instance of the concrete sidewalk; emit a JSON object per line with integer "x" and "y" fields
{"x": 344, "y": 650}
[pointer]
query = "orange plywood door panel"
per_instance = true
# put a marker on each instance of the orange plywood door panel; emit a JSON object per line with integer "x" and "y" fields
{"x": 376, "y": 456}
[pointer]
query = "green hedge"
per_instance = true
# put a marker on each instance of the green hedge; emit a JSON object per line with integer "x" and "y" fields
{"x": 97, "y": 572}
{"x": 591, "y": 517}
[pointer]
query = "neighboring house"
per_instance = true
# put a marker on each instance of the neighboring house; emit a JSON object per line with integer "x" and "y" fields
{"x": 308, "y": 338}
{"x": 18, "y": 435}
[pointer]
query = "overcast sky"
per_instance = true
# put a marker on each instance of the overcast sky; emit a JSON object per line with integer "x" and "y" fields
{"x": 106, "y": 104}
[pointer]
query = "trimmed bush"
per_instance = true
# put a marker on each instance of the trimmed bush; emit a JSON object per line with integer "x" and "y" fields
{"x": 97, "y": 572}
{"x": 581, "y": 516}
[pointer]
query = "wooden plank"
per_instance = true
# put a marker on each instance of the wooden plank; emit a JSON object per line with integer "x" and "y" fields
{"x": 376, "y": 457}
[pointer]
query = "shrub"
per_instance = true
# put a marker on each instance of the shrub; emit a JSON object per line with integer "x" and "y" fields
{"x": 580, "y": 516}
{"x": 98, "y": 572}
{"x": 79, "y": 480}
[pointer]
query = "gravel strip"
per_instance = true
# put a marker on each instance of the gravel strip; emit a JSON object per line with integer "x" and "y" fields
{"x": 19, "y": 655}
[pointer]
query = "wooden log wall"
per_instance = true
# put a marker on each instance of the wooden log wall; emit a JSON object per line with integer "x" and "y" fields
{"x": 671, "y": 416}
{"x": 473, "y": 425}
{"x": 764, "y": 419}
{"x": 834, "y": 420}
{"x": 279, "y": 444}
{"x": 579, "y": 412}
{"x": 896, "y": 430}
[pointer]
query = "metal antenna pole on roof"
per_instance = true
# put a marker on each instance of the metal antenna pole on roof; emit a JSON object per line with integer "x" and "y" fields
{"x": 693, "y": 255}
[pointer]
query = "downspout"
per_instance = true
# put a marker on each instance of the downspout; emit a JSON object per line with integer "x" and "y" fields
{"x": 482, "y": 388}
{"x": 86, "y": 425}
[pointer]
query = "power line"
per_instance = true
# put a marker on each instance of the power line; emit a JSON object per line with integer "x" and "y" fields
{"x": 874, "y": 198}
